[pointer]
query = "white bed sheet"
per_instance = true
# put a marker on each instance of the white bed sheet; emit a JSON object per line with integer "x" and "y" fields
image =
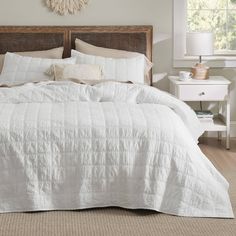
{"x": 69, "y": 146}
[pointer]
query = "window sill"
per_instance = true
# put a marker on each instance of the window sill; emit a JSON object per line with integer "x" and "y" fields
{"x": 213, "y": 62}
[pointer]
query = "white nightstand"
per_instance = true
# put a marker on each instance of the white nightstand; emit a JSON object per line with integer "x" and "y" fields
{"x": 216, "y": 88}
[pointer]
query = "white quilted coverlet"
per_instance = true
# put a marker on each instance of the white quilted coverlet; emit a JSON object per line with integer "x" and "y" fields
{"x": 70, "y": 146}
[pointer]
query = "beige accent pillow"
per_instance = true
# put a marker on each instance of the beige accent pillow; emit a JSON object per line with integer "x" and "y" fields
{"x": 77, "y": 73}
{"x": 55, "y": 53}
{"x": 90, "y": 49}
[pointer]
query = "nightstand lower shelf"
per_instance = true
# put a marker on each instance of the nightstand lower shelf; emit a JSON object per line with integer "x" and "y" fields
{"x": 216, "y": 125}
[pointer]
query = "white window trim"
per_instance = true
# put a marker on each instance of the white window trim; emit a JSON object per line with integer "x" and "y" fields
{"x": 179, "y": 42}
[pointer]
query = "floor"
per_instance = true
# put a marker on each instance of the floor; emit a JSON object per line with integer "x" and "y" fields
{"x": 223, "y": 160}
{"x": 115, "y": 221}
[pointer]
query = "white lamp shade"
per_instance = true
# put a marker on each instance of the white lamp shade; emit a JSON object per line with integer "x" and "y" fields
{"x": 200, "y": 44}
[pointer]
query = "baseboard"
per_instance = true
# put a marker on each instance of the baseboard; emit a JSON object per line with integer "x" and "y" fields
{"x": 232, "y": 131}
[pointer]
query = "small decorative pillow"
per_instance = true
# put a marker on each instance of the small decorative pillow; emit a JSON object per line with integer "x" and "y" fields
{"x": 121, "y": 69}
{"x": 77, "y": 73}
{"x": 19, "y": 69}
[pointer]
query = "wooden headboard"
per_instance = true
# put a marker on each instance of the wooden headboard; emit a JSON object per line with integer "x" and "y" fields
{"x": 34, "y": 38}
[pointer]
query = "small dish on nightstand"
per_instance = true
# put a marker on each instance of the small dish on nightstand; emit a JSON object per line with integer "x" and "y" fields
{"x": 185, "y": 80}
{"x": 185, "y": 75}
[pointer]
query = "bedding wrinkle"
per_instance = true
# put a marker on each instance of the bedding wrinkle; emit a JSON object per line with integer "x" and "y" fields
{"x": 75, "y": 146}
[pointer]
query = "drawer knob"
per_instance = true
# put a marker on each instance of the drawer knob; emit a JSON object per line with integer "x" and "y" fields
{"x": 202, "y": 93}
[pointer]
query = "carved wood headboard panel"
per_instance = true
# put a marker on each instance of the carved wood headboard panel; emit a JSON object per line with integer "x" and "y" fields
{"x": 24, "y": 38}
{"x": 34, "y": 38}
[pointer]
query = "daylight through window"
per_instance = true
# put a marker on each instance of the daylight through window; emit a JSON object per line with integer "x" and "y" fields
{"x": 218, "y": 16}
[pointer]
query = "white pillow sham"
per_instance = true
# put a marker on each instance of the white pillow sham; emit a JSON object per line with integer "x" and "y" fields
{"x": 122, "y": 69}
{"x": 20, "y": 69}
{"x": 55, "y": 53}
{"x": 90, "y": 49}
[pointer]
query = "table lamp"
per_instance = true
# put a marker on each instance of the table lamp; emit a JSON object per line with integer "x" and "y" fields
{"x": 200, "y": 44}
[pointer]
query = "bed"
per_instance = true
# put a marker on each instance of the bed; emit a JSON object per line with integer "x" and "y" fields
{"x": 67, "y": 146}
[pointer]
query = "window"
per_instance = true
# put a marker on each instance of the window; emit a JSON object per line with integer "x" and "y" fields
{"x": 218, "y": 16}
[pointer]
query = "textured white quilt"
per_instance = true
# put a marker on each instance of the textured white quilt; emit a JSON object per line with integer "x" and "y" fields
{"x": 70, "y": 146}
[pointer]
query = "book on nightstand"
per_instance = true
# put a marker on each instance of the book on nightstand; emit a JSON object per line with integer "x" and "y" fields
{"x": 205, "y": 116}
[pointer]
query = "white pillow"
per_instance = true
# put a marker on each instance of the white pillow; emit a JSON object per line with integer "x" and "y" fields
{"x": 122, "y": 69}
{"x": 55, "y": 53}
{"x": 20, "y": 69}
{"x": 90, "y": 49}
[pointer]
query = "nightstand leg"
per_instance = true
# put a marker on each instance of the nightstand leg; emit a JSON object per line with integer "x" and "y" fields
{"x": 228, "y": 143}
{"x": 228, "y": 125}
{"x": 219, "y": 136}
{"x": 227, "y": 140}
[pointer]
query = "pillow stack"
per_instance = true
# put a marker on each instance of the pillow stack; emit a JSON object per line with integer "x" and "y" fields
{"x": 122, "y": 70}
{"x": 55, "y": 53}
{"x": 19, "y": 70}
{"x": 88, "y": 63}
{"x": 117, "y": 65}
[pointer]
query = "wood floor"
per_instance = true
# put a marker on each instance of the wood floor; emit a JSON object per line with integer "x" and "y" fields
{"x": 224, "y": 160}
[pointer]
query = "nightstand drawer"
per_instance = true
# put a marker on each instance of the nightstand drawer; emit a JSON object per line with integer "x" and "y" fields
{"x": 202, "y": 92}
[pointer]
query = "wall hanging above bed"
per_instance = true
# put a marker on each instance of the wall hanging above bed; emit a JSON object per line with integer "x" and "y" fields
{"x": 64, "y": 7}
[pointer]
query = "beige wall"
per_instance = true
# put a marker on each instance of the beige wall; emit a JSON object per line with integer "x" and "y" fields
{"x": 99, "y": 12}
{"x": 114, "y": 12}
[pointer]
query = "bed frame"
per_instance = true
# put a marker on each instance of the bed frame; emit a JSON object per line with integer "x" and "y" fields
{"x": 34, "y": 38}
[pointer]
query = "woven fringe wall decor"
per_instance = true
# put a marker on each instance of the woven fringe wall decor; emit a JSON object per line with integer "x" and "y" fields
{"x": 65, "y": 7}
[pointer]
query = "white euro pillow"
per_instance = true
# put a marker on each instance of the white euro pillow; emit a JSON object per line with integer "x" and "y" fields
{"x": 90, "y": 49}
{"x": 21, "y": 69}
{"x": 116, "y": 69}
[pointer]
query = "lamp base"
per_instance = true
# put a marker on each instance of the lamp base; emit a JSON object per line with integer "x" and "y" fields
{"x": 200, "y": 71}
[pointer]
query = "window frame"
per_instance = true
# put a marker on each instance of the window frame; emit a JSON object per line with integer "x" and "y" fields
{"x": 179, "y": 42}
